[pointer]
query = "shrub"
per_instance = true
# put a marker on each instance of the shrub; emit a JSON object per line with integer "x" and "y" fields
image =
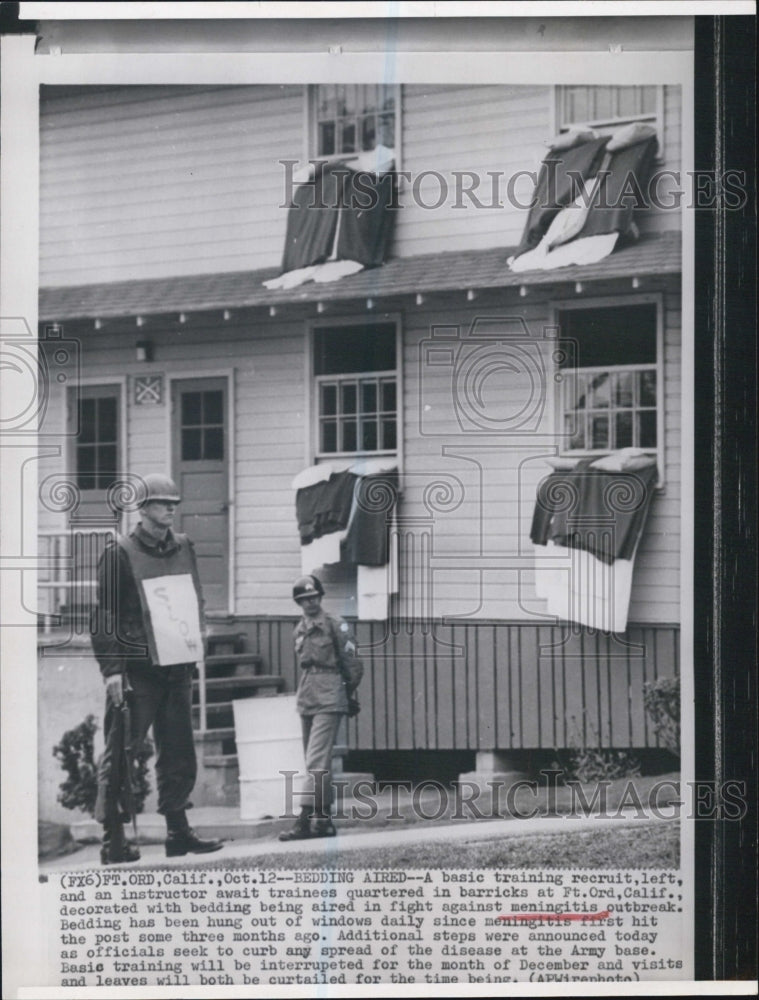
{"x": 76, "y": 755}
{"x": 595, "y": 763}
{"x": 662, "y": 701}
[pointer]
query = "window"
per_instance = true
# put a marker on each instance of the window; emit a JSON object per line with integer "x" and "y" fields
{"x": 96, "y": 448}
{"x": 356, "y": 389}
{"x": 610, "y": 388}
{"x": 348, "y": 119}
{"x": 202, "y": 427}
{"x": 605, "y": 108}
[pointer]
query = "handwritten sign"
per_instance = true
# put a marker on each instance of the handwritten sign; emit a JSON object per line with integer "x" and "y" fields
{"x": 173, "y": 606}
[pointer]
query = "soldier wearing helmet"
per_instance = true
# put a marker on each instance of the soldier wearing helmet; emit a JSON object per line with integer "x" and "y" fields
{"x": 147, "y": 636}
{"x": 330, "y": 671}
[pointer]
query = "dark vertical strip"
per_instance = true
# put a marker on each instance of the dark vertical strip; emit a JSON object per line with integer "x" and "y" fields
{"x": 583, "y": 701}
{"x": 496, "y": 704}
{"x": 539, "y": 685}
{"x": 373, "y": 685}
{"x": 412, "y": 671}
{"x": 436, "y": 684}
{"x": 629, "y": 695}
{"x": 477, "y": 667}
{"x": 519, "y": 669}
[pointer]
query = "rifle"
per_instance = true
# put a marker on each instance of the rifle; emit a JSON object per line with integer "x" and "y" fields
{"x": 127, "y": 759}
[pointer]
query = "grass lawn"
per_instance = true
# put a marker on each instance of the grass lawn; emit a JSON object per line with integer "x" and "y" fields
{"x": 647, "y": 845}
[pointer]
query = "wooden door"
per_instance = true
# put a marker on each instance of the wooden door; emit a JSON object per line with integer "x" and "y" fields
{"x": 200, "y": 449}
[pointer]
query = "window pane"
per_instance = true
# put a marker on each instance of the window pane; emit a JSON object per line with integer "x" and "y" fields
{"x": 647, "y": 429}
{"x": 349, "y": 442}
{"x": 389, "y": 435}
{"x": 623, "y": 394}
{"x": 599, "y": 424}
{"x": 388, "y": 397}
{"x": 328, "y": 406}
{"x": 372, "y": 98}
{"x": 213, "y": 407}
{"x": 576, "y": 104}
{"x": 191, "y": 408}
{"x": 348, "y": 397}
{"x": 647, "y": 100}
{"x": 213, "y": 443}
{"x": 329, "y": 435}
{"x": 604, "y": 102}
{"x": 628, "y": 101}
{"x": 647, "y": 388}
{"x": 87, "y": 420}
{"x": 326, "y": 139}
{"x": 347, "y": 99}
{"x": 368, "y": 397}
{"x": 191, "y": 445}
{"x": 107, "y": 419}
{"x": 327, "y": 101}
{"x": 386, "y": 131}
{"x": 369, "y": 435}
{"x": 574, "y": 429}
{"x": 85, "y": 460}
{"x": 348, "y": 137}
{"x": 106, "y": 458}
{"x": 368, "y": 132}
{"x": 623, "y": 430}
{"x": 600, "y": 397}
{"x": 359, "y": 348}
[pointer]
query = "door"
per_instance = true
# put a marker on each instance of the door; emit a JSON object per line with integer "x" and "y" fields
{"x": 200, "y": 447}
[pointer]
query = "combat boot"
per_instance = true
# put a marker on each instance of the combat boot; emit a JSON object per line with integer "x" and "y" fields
{"x": 181, "y": 839}
{"x": 116, "y": 849}
{"x": 302, "y": 828}
{"x": 324, "y": 827}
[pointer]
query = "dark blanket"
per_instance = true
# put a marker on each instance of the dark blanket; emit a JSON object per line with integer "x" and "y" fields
{"x": 357, "y": 206}
{"x": 601, "y": 512}
{"x": 560, "y": 181}
{"x": 324, "y": 507}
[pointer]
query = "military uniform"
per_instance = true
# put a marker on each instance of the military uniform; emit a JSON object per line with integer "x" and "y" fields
{"x": 122, "y": 642}
{"x": 329, "y": 669}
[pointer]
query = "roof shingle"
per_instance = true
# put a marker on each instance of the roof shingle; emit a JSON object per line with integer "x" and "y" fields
{"x": 651, "y": 254}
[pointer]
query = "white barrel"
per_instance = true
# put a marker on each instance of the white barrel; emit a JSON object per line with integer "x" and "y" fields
{"x": 269, "y": 741}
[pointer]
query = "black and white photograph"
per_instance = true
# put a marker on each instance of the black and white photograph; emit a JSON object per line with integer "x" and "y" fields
{"x": 351, "y": 484}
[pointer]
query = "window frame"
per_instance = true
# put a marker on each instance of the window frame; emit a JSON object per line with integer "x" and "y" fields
{"x": 87, "y": 387}
{"x": 310, "y": 152}
{"x": 313, "y": 381}
{"x": 560, "y": 306}
{"x": 655, "y": 118}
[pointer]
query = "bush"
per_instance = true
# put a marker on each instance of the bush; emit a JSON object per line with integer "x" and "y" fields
{"x": 595, "y": 763}
{"x": 662, "y": 701}
{"x": 76, "y": 755}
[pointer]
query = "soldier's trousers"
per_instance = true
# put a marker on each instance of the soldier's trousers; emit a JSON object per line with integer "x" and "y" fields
{"x": 319, "y": 733}
{"x": 161, "y": 697}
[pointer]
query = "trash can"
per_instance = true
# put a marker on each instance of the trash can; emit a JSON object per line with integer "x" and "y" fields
{"x": 269, "y": 741}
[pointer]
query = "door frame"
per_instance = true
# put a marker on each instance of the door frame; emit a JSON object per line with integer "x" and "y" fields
{"x": 228, "y": 374}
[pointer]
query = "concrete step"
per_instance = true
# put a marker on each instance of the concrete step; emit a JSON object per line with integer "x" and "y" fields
{"x": 233, "y": 664}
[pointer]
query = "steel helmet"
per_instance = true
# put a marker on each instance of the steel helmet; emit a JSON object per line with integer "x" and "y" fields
{"x": 307, "y": 586}
{"x": 159, "y": 486}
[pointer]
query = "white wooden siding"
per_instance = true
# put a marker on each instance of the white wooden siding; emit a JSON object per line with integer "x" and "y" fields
{"x": 148, "y": 182}
{"x": 479, "y": 516}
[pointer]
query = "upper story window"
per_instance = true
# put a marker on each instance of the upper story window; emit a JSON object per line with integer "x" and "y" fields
{"x": 348, "y": 119}
{"x": 611, "y": 392}
{"x": 606, "y": 108}
{"x": 355, "y": 369}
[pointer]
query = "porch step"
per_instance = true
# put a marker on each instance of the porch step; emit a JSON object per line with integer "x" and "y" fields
{"x": 219, "y": 643}
{"x": 233, "y": 664}
{"x": 218, "y": 688}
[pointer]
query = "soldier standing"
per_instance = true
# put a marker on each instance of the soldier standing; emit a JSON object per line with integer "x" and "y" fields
{"x": 330, "y": 672}
{"x": 147, "y": 637}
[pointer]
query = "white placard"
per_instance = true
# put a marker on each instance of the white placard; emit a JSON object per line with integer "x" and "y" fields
{"x": 173, "y": 606}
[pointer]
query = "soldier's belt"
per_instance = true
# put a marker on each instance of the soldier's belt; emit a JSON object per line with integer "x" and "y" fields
{"x": 320, "y": 669}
